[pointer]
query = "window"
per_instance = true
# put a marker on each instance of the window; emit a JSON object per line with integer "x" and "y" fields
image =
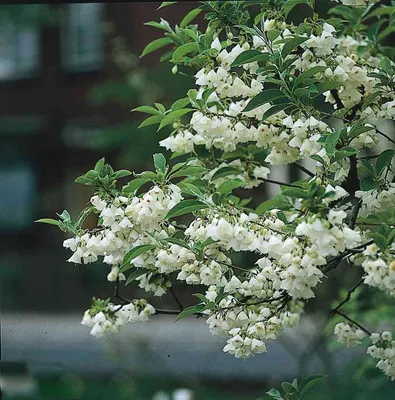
{"x": 19, "y": 51}
{"x": 82, "y": 37}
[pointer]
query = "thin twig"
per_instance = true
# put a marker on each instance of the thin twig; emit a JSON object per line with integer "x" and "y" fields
{"x": 348, "y": 297}
{"x": 385, "y": 135}
{"x": 354, "y": 214}
{"x": 368, "y": 157}
{"x": 335, "y": 95}
{"x": 304, "y": 169}
{"x": 281, "y": 183}
{"x": 352, "y": 321}
{"x": 337, "y": 259}
{"x": 256, "y": 303}
{"x": 168, "y": 312}
{"x": 116, "y": 288}
{"x": 173, "y": 293}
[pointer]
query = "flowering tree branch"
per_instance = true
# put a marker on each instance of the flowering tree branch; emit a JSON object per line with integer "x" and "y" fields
{"x": 260, "y": 85}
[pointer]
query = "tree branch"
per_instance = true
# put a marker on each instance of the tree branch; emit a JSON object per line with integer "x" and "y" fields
{"x": 352, "y": 321}
{"x": 304, "y": 169}
{"x": 281, "y": 183}
{"x": 385, "y": 135}
{"x": 354, "y": 214}
{"x": 335, "y": 95}
{"x": 173, "y": 293}
{"x": 348, "y": 297}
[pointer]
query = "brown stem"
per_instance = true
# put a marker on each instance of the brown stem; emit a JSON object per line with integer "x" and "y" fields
{"x": 173, "y": 293}
{"x": 348, "y": 297}
{"x": 304, "y": 169}
{"x": 352, "y": 321}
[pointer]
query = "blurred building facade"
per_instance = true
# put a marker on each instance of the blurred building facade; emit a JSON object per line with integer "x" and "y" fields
{"x": 47, "y": 71}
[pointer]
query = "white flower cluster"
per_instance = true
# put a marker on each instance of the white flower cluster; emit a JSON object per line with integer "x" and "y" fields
{"x": 124, "y": 223}
{"x": 351, "y": 336}
{"x": 383, "y": 349}
{"x": 355, "y": 3}
{"x": 377, "y": 200}
{"x": 379, "y": 268}
{"x": 224, "y": 125}
{"x": 111, "y": 317}
{"x": 252, "y": 176}
{"x": 249, "y": 326}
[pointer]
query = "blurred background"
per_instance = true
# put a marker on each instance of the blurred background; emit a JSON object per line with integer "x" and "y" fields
{"x": 69, "y": 76}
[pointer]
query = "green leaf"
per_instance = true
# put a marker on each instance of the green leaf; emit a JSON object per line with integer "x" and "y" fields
{"x": 331, "y": 142}
{"x": 180, "y": 103}
{"x": 134, "y": 185}
{"x": 369, "y": 167}
{"x": 151, "y": 175}
{"x": 135, "y": 274}
{"x": 121, "y": 174}
{"x": 273, "y": 34}
{"x": 190, "y": 311}
{"x": 318, "y": 158}
{"x": 166, "y": 3}
{"x": 287, "y": 387}
{"x": 155, "y": 45}
{"x": 307, "y": 384}
{"x": 359, "y": 130}
{"x": 386, "y": 65}
{"x": 163, "y": 26}
{"x": 345, "y": 152}
{"x": 160, "y": 162}
{"x": 172, "y": 116}
{"x": 292, "y": 44}
{"x": 274, "y": 393}
{"x": 201, "y": 297}
{"x": 155, "y": 119}
{"x": 99, "y": 165}
{"x": 185, "y": 207}
{"x": 50, "y": 221}
{"x": 263, "y": 98}
{"x": 225, "y": 171}
{"x": 379, "y": 239}
{"x": 279, "y": 202}
{"x": 65, "y": 216}
{"x": 179, "y": 242}
{"x": 385, "y": 10}
{"x": 273, "y": 110}
{"x": 295, "y": 192}
{"x": 384, "y": 160}
{"x": 161, "y": 108}
{"x": 182, "y": 50}
{"x": 189, "y": 171}
{"x": 249, "y": 56}
{"x": 385, "y": 32}
{"x": 189, "y": 188}
{"x": 132, "y": 254}
{"x": 229, "y": 185}
{"x": 290, "y": 4}
{"x": 308, "y": 74}
{"x": 88, "y": 178}
{"x": 367, "y": 183}
{"x": 326, "y": 86}
{"x": 147, "y": 110}
{"x": 190, "y": 17}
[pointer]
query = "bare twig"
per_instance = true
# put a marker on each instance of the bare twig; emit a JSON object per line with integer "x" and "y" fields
{"x": 348, "y": 297}
{"x": 281, "y": 183}
{"x": 352, "y": 321}
{"x": 354, "y": 214}
{"x": 176, "y": 298}
{"x": 304, "y": 169}
{"x": 385, "y": 135}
